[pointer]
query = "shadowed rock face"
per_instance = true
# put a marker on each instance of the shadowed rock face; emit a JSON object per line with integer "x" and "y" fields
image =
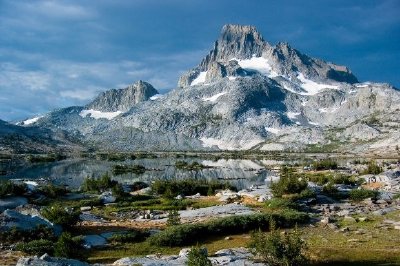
{"x": 123, "y": 99}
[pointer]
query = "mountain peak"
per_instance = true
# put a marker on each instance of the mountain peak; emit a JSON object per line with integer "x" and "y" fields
{"x": 123, "y": 99}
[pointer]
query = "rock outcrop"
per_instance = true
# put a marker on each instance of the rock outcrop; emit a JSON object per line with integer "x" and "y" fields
{"x": 123, "y": 99}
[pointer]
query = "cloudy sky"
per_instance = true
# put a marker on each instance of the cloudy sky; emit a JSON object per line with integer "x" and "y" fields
{"x": 55, "y": 54}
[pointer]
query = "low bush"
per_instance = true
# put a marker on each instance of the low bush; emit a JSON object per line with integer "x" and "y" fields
{"x": 68, "y": 246}
{"x": 173, "y": 218}
{"x": 36, "y": 247}
{"x": 52, "y": 191}
{"x": 330, "y": 189}
{"x": 60, "y": 215}
{"x": 8, "y": 188}
{"x": 98, "y": 185}
{"x": 279, "y": 249}
{"x": 198, "y": 257}
{"x": 129, "y": 237}
{"x": 16, "y": 235}
{"x": 288, "y": 183}
{"x": 194, "y": 166}
{"x": 123, "y": 169}
{"x": 361, "y": 194}
{"x": 189, "y": 186}
{"x": 187, "y": 234}
{"x": 373, "y": 168}
{"x": 46, "y": 158}
{"x": 327, "y": 164}
{"x": 281, "y": 203}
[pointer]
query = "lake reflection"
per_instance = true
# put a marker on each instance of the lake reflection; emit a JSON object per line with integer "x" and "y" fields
{"x": 71, "y": 172}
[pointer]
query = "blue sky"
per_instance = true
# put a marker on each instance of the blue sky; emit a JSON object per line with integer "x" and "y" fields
{"x": 55, "y": 54}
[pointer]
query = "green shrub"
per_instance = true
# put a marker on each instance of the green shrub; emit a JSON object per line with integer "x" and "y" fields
{"x": 60, "y": 215}
{"x": 16, "y": 235}
{"x": 36, "y": 247}
{"x": 8, "y": 188}
{"x": 288, "y": 183}
{"x": 67, "y": 246}
{"x": 53, "y": 191}
{"x": 45, "y": 158}
{"x": 129, "y": 237}
{"x": 123, "y": 169}
{"x": 281, "y": 203}
{"x": 170, "y": 188}
{"x": 360, "y": 194}
{"x": 194, "y": 166}
{"x": 326, "y": 164}
{"x": 98, "y": 185}
{"x": 373, "y": 168}
{"x": 279, "y": 249}
{"x": 198, "y": 257}
{"x": 330, "y": 189}
{"x": 187, "y": 234}
{"x": 173, "y": 218}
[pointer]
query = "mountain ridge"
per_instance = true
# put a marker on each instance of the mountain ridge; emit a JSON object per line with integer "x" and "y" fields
{"x": 245, "y": 94}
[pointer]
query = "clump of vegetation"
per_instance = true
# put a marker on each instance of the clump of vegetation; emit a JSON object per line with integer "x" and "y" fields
{"x": 279, "y": 249}
{"x": 67, "y": 246}
{"x": 194, "y": 166}
{"x": 60, "y": 215}
{"x": 36, "y": 247}
{"x": 17, "y": 235}
{"x": 129, "y": 237}
{"x": 361, "y": 194}
{"x": 187, "y": 234}
{"x": 198, "y": 257}
{"x": 288, "y": 183}
{"x": 189, "y": 186}
{"x": 330, "y": 189}
{"x": 45, "y": 158}
{"x": 281, "y": 203}
{"x": 173, "y": 218}
{"x": 327, "y": 164}
{"x": 373, "y": 168}
{"x": 123, "y": 169}
{"x": 336, "y": 178}
{"x": 98, "y": 185}
{"x": 8, "y": 188}
{"x": 53, "y": 191}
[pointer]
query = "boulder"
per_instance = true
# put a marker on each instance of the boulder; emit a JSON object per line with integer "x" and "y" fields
{"x": 10, "y": 219}
{"x": 90, "y": 241}
{"x": 107, "y": 197}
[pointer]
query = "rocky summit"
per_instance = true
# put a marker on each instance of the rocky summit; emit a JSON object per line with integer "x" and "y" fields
{"x": 244, "y": 94}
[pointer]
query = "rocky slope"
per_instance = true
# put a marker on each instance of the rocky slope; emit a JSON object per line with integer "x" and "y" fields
{"x": 18, "y": 139}
{"x": 123, "y": 99}
{"x": 245, "y": 94}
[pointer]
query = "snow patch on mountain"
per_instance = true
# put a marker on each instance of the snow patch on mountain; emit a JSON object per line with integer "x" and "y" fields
{"x": 312, "y": 87}
{"x": 259, "y": 64}
{"x": 155, "y": 97}
{"x": 31, "y": 120}
{"x": 292, "y": 115}
{"x": 201, "y": 78}
{"x": 272, "y": 130}
{"x": 99, "y": 114}
{"x": 214, "y": 97}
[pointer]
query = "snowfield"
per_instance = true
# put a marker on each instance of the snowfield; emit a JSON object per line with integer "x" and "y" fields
{"x": 201, "y": 78}
{"x": 99, "y": 114}
{"x": 214, "y": 97}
